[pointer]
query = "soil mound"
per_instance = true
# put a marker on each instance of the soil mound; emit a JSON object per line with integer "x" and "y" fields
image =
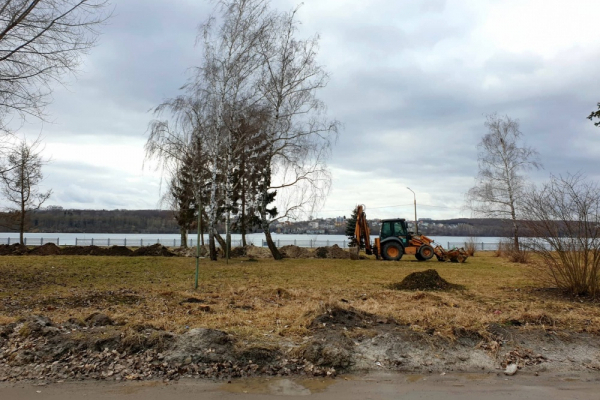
{"x": 118, "y": 251}
{"x": 341, "y": 318}
{"x": 334, "y": 251}
{"x": 424, "y": 280}
{"x": 48, "y": 249}
{"x": 15, "y": 249}
{"x": 238, "y": 252}
{"x": 154, "y": 250}
{"x": 292, "y": 251}
{"x": 258, "y": 252}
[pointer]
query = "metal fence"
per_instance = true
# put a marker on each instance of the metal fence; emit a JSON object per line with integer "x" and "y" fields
{"x": 479, "y": 246}
{"x": 308, "y": 243}
{"x": 31, "y": 241}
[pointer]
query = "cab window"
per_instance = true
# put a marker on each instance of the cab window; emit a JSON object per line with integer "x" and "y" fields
{"x": 386, "y": 230}
{"x": 399, "y": 229}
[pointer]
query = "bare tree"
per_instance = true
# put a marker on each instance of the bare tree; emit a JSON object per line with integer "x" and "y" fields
{"x": 500, "y": 183}
{"x": 20, "y": 181}
{"x": 299, "y": 135}
{"x": 40, "y": 42}
{"x": 563, "y": 217}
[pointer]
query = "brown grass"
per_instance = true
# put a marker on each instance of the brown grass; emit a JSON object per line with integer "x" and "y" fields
{"x": 269, "y": 299}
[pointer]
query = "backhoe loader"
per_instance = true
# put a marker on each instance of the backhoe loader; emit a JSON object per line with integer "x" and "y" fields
{"x": 395, "y": 240}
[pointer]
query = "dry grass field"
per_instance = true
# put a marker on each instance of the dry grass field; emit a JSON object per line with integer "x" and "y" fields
{"x": 267, "y": 301}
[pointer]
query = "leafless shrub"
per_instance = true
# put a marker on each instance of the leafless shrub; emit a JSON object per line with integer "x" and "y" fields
{"x": 564, "y": 217}
{"x": 506, "y": 248}
{"x": 470, "y": 247}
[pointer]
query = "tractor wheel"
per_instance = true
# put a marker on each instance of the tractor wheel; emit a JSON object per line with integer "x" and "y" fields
{"x": 418, "y": 257}
{"x": 392, "y": 251}
{"x": 425, "y": 252}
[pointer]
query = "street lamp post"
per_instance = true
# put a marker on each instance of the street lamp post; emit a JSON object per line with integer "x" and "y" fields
{"x": 415, "y": 197}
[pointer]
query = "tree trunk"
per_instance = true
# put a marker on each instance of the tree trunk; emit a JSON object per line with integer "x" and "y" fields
{"x": 221, "y": 241}
{"x": 212, "y": 218}
{"x": 243, "y": 215}
{"x": 183, "y": 232}
{"x": 274, "y": 250}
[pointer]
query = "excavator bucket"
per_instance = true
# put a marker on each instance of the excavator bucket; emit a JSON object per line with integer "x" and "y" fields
{"x": 454, "y": 255}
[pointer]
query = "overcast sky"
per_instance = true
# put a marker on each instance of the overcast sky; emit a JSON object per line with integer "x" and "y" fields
{"x": 411, "y": 82}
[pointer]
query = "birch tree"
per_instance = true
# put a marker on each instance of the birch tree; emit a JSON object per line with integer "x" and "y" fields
{"x": 500, "y": 182}
{"x": 230, "y": 65}
{"x": 299, "y": 134}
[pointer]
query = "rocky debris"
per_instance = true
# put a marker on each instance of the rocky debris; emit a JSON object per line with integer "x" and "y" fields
{"x": 292, "y": 251}
{"x": 424, "y": 280}
{"x": 154, "y": 250}
{"x": 48, "y": 249}
{"x": 335, "y": 252}
{"x": 522, "y": 357}
{"x": 511, "y": 369}
{"x": 98, "y": 319}
{"x": 36, "y": 349}
{"x": 190, "y": 251}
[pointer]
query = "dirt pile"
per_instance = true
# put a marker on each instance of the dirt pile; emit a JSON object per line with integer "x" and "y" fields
{"x": 424, "y": 280}
{"x": 258, "y": 252}
{"x": 48, "y": 249}
{"x": 120, "y": 251}
{"x": 334, "y": 251}
{"x": 154, "y": 250}
{"x": 36, "y": 348}
{"x": 14, "y": 249}
{"x": 292, "y": 251}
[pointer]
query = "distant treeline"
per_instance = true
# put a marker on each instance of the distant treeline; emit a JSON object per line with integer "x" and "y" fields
{"x": 98, "y": 221}
{"x": 163, "y": 221}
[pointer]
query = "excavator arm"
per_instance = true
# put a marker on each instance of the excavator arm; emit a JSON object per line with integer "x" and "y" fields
{"x": 362, "y": 233}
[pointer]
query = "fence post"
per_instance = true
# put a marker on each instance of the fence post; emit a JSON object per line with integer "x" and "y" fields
{"x": 277, "y": 242}
{"x": 25, "y": 241}
{"x": 8, "y": 240}
{"x": 174, "y": 242}
{"x": 92, "y": 241}
{"x": 448, "y": 246}
{"x": 294, "y": 242}
{"x": 58, "y": 241}
{"x": 125, "y": 242}
{"x": 344, "y": 244}
{"x": 141, "y": 242}
{"x": 109, "y": 241}
{"x": 327, "y": 242}
{"x": 75, "y": 241}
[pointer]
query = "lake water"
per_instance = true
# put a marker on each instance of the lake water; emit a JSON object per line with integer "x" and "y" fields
{"x": 257, "y": 239}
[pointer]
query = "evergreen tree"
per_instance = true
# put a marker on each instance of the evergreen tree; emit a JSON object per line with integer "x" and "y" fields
{"x": 351, "y": 226}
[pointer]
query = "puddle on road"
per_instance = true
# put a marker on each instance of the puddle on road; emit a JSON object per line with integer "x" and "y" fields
{"x": 414, "y": 378}
{"x": 278, "y": 386}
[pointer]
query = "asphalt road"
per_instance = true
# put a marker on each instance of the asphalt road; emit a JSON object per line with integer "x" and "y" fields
{"x": 378, "y": 386}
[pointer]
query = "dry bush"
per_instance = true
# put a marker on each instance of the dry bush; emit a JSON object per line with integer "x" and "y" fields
{"x": 470, "y": 247}
{"x": 564, "y": 217}
{"x": 507, "y": 249}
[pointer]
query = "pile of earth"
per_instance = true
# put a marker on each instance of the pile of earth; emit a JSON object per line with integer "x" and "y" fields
{"x": 14, "y": 249}
{"x": 258, "y": 252}
{"x": 334, "y": 251}
{"x": 35, "y": 348}
{"x": 292, "y": 251}
{"x": 154, "y": 250}
{"x": 424, "y": 280}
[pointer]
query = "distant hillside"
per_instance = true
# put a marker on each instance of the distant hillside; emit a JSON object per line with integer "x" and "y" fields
{"x": 100, "y": 221}
{"x": 161, "y": 221}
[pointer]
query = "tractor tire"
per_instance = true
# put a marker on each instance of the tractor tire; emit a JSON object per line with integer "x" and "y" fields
{"x": 418, "y": 257}
{"x": 392, "y": 251}
{"x": 425, "y": 252}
